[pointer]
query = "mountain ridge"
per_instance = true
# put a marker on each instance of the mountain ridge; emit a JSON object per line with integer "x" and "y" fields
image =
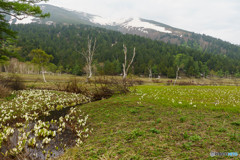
{"x": 139, "y": 26}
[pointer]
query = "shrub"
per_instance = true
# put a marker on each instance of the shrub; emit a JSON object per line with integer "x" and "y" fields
{"x": 156, "y": 81}
{"x": 187, "y": 145}
{"x": 9, "y": 83}
{"x": 73, "y": 87}
{"x": 101, "y": 87}
{"x": 195, "y": 138}
{"x": 236, "y": 123}
{"x": 183, "y": 119}
{"x": 185, "y": 135}
{"x": 154, "y": 130}
{"x": 4, "y": 92}
{"x": 186, "y": 83}
{"x": 159, "y": 120}
{"x": 134, "y": 134}
{"x": 13, "y": 82}
{"x": 16, "y": 83}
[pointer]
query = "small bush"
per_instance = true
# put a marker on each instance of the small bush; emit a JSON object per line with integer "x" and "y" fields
{"x": 12, "y": 82}
{"x": 4, "y": 92}
{"x": 159, "y": 120}
{"x": 187, "y": 145}
{"x": 235, "y": 137}
{"x": 185, "y": 135}
{"x": 10, "y": 97}
{"x": 133, "y": 110}
{"x": 134, "y": 134}
{"x": 186, "y": 83}
{"x": 154, "y": 130}
{"x": 106, "y": 87}
{"x": 100, "y": 87}
{"x": 195, "y": 138}
{"x": 102, "y": 92}
{"x": 156, "y": 81}
{"x": 222, "y": 130}
{"x": 183, "y": 119}
{"x": 236, "y": 123}
{"x": 9, "y": 83}
{"x": 73, "y": 87}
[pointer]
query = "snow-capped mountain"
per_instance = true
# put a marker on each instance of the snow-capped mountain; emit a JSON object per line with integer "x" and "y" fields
{"x": 61, "y": 15}
{"x": 129, "y": 24}
{"x": 137, "y": 26}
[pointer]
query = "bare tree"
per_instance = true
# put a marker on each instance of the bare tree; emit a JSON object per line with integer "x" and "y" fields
{"x": 125, "y": 66}
{"x": 88, "y": 55}
{"x": 150, "y": 72}
{"x": 178, "y": 68}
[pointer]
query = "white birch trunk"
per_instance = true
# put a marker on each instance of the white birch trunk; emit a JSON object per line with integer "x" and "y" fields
{"x": 125, "y": 70}
{"x": 90, "y": 71}
{"x": 150, "y": 73}
{"x": 44, "y": 79}
{"x": 88, "y": 55}
{"x": 176, "y": 75}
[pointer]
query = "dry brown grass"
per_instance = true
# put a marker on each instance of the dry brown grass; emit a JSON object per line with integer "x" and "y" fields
{"x": 4, "y": 92}
{"x": 8, "y": 83}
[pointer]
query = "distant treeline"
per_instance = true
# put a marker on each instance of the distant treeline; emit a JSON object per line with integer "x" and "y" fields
{"x": 65, "y": 42}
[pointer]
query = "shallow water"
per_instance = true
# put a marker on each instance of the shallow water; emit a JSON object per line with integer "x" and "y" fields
{"x": 56, "y": 146}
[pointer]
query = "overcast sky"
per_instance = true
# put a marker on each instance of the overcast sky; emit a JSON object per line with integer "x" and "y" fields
{"x": 218, "y": 18}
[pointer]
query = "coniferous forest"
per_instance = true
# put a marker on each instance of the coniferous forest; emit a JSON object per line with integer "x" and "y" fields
{"x": 65, "y": 42}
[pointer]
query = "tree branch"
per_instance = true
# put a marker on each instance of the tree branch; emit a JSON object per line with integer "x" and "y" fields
{"x": 131, "y": 59}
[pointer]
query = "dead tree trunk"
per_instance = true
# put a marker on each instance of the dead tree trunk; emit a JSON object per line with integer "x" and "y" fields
{"x": 44, "y": 79}
{"x": 5, "y": 68}
{"x": 150, "y": 73}
{"x": 88, "y": 55}
{"x": 176, "y": 75}
{"x": 125, "y": 66}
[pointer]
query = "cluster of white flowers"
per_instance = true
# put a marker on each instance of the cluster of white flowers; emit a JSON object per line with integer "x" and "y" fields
{"x": 192, "y": 96}
{"x": 76, "y": 118}
{"x": 46, "y": 140}
{"x": 27, "y": 106}
{"x": 32, "y": 142}
{"x": 5, "y": 132}
{"x": 41, "y": 129}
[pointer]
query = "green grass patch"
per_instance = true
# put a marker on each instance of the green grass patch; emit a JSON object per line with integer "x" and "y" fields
{"x": 163, "y": 128}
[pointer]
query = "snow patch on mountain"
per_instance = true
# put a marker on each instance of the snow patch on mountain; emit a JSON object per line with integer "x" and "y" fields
{"x": 129, "y": 24}
{"x": 101, "y": 21}
{"x": 25, "y": 20}
{"x": 138, "y": 23}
